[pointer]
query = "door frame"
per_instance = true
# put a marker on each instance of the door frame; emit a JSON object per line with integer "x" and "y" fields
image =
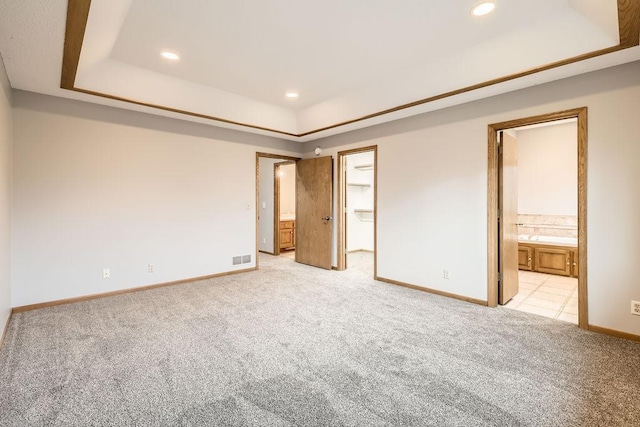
{"x": 492, "y": 203}
{"x": 276, "y": 204}
{"x": 257, "y": 224}
{"x": 342, "y": 193}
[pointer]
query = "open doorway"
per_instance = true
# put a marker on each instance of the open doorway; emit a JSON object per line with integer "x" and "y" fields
{"x": 357, "y": 171}
{"x": 285, "y": 209}
{"x": 307, "y": 226}
{"x": 537, "y": 224}
{"x": 275, "y": 201}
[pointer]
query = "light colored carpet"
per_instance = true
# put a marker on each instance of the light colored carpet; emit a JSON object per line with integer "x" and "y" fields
{"x": 296, "y": 345}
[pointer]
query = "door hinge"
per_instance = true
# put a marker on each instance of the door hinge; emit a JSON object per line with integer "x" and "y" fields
{"x": 499, "y": 277}
{"x": 499, "y": 213}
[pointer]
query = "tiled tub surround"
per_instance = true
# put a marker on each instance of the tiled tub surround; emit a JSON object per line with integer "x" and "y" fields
{"x": 548, "y": 225}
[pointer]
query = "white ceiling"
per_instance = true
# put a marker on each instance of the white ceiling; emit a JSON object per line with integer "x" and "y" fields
{"x": 347, "y": 59}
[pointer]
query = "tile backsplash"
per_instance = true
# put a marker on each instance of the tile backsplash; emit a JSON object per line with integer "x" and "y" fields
{"x": 548, "y": 225}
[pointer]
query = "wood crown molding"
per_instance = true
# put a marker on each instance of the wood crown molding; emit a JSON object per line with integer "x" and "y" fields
{"x": 78, "y": 14}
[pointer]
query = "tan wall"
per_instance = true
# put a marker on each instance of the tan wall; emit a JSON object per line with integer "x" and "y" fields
{"x": 548, "y": 170}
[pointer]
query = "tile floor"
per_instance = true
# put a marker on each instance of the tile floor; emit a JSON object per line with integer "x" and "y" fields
{"x": 547, "y": 295}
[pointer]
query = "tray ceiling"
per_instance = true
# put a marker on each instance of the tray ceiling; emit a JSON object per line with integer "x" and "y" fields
{"x": 354, "y": 64}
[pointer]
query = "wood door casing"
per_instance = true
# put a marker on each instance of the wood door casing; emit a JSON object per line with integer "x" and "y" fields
{"x": 581, "y": 114}
{"x": 508, "y": 230}
{"x": 314, "y": 186}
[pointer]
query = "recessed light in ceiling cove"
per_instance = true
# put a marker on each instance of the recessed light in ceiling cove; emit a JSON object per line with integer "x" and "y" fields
{"x": 291, "y": 94}
{"x": 171, "y": 56}
{"x": 483, "y": 8}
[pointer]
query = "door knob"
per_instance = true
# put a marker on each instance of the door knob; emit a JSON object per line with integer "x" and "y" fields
{"x": 327, "y": 218}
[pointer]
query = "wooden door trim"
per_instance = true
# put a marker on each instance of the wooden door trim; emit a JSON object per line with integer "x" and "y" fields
{"x": 257, "y": 230}
{"x": 492, "y": 204}
{"x": 342, "y": 189}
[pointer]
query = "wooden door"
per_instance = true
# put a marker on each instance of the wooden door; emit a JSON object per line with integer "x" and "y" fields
{"x": 314, "y": 222}
{"x": 508, "y": 218}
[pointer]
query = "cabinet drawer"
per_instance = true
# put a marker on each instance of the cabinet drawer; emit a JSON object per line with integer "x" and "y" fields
{"x": 287, "y": 224}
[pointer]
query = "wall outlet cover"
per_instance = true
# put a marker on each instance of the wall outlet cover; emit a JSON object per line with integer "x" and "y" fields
{"x": 106, "y": 273}
{"x": 635, "y": 307}
{"x": 236, "y": 260}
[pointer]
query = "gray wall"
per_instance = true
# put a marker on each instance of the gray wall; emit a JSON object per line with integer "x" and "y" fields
{"x": 5, "y": 196}
{"x": 97, "y": 187}
{"x": 432, "y": 189}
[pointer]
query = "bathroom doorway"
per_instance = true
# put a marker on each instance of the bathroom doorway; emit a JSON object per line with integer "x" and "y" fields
{"x": 285, "y": 208}
{"x": 537, "y": 222}
{"x": 357, "y": 184}
{"x": 271, "y": 171}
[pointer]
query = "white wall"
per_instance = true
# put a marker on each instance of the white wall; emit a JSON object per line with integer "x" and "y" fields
{"x": 6, "y": 137}
{"x": 97, "y": 187}
{"x": 359, "y": 232}
{"x": 548, "y": 170}
{"x": 288, "y": 189}
{"x": 266, "y": 200}
{"x": 432, "y": 189}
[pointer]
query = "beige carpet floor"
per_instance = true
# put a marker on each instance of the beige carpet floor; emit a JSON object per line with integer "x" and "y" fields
{"x": 295, "y": 345}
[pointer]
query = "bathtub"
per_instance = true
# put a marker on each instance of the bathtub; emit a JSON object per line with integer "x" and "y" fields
{"x": 557, "y": 240}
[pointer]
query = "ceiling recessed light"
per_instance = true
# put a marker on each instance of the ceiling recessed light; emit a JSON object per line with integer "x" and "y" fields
{"x": 171, "y": 56}
{"x": 291, "y": 94}
{"x": 483, "y": 8}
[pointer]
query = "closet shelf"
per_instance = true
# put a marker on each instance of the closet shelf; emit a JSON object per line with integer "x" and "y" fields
{"x": 364, "y": 215}
{"x": 356, "y": 184}
{"x": 368, "y": 167}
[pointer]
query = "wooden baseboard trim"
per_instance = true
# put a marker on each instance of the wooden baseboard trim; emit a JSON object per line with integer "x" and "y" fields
{"x": 30, "y": 307}
{"x": 268, "y": 253}
{"x": 433, "y": 291}
{"x": 614, "y": 333}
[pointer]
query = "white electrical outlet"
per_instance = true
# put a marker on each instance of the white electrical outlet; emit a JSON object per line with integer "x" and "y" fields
{"x": 445, "y": 274}
{"x": 264, "y": 240}
{"x": 106, "y": 273}
{"x": 150, "y": 268}
{"x": 635, "y": 307}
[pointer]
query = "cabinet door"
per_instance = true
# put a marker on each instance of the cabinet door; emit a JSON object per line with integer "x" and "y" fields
{"x": 553, "y": 261}
{"x": 525, "y": 257}
{"x": 286, "y": 238}
{"x": 574, "y": 263}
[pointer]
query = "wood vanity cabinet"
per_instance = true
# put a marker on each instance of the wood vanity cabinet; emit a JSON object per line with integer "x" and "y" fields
{"x": 525, "y": 257}
{"x": 574, "y": 263}
{"x": 551, "y": 259}
{"x": 287, "y": 234}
